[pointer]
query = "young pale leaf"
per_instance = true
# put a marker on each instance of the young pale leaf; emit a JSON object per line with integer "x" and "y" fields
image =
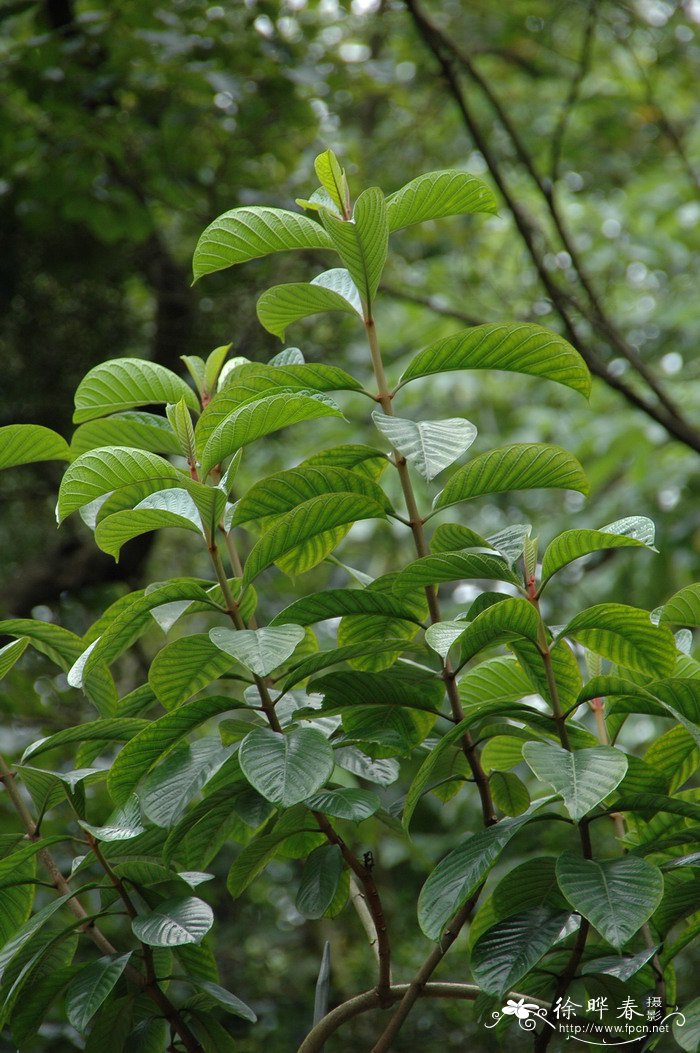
{"x": 174, "y": 922}
{"x": 520, "y": 348}
{"x": 143, "y": 750}
{"x": 573, "y": 544}
{"x": 616, "y": 895}
{"x": 625, "y": 635}
{"x": 310, "y": 519}
{"x": 123, "y": 384}
{"x": 260, "y": 650}
{"x": 91, "y": 987}
{"x": 332, "y": 178}
{"x": 461, "y": 872}
{"x": 338, "y": 603}
{"x": 583, "y": 778}
{"x": 180, "y": 420}
{"x": 511, "y": 948}
{"x": 213, "y": 366}
{"x": 286, "y": 769}
{"x": 436, "y": 194}
{"x": 453, "y": 566}
{"x": 362, "y": 242}
{"x": 27, "y": 443}
{"x": 352, "y": 804}
{"x": 109, "y": 468}
{"x": 430, "y": 446}
{"x": 122, "y": 825}
{"x": 442, "y": 635}
{"x": 248, "y": 233}
{"x": 338, "y": 280}
{"x": 683, "y": 608}
{"x": 523, "y": 466}
{"x": 319, "y": 881}
{"x": 261, "y": 417}
{"x": 283, "y": 305}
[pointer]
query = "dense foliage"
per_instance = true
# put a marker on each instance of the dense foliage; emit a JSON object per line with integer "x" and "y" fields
{"x": 326, "y": 730}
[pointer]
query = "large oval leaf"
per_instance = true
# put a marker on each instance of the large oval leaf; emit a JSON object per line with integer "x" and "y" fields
{"x": 28, "y": 443}
{"x": 178, "y": 778}
{"x": 247, "y": 233}
{"x": 283, "y": 305}
{"x": 616, "y": 895}
{"x": 625, "y": 635}
{"x": 635, "y": 531}
{"x": 454, "y": 566}
{"x": 461, "y": 872}
{"x": 310, "y": 519}
{"x": 284, "y": 491}
{"x": 143, "y": 431}
{"x": 153, "y": 740}
{"x": 109, "y": 468}
{"x": 511, "y": 948}
{"x": 337, "y": 603}
{"x": 174, "y": 922}
{"x": 286, "y": 769}
{"x": 431, "y": 445}
{"x": 523, "y": 466}
{"x": 519, "y": 348}
{"x": 124, "y": 383}
{"x": 319, "y": 881}
{"x": 184, "y": 667}
{"x": 261, "y": 417}
{"x": 89, "y": 989}
{"x": 584, "y": 778}
{"x": 443, "y": 193}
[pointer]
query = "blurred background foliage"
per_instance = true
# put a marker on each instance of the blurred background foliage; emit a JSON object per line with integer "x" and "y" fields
{"x": 127, "y": 127}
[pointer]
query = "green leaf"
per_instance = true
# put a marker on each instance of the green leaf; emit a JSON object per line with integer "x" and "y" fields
{"x": 363, "y": 241}
{"x": 504, "y": 621}
{"x": 621, "y": 968}
{"x": 260, "y": 650}
{"x": 11, "y": 653}
{"x": 258, "y": 852}
{"x": 286, "y": 769}
{"x": 573, "y": 544}
{"x": 144, "y": 431}
{"x": 181, "y": 422}
{"x": 283, "y": 491}
{"x": 319, "y": 881}
{"x": 522, "y": 466}
{"x": 262, "y": 417}
{"x": 430, "y": 446}
{"x": 564, "y": 665}
{"x": 509, "y": 793}
{"x": 382, "y": 772}
{"x": 460, "y": 873}
{"x": 176, "y": 780}
{"x": 110, "y": 468}
{"x": 184, "y": 667}
{"x": 123, "y": 384}
{"x": 282, "y": 305}
{"x": 27, "y": 443}
{"x": 332, "y": 178}
{"x": 33, "y": 925}
{"x": 111, "y": 729}
{"x": 308, "y": 520}
{"x": 174, "y": 922}
{"x": 116, "y": 530}
{"x": 583, "y": 778}
{"x": 248, "y": 233}
{"x": 337, "y": 603}
{"x": 351, "y": 804}
{"x": 223, "y": 998}
{"x": 448, "y": 192}
{"x": 497, "y": 679}
{"x": 616, "y": 895}
{"x": 122, "y": 825}
{"x": 511, "y": 948}
{"x": 528, "y": 885}
{"x": 503, "y": 752}
{"x": 89, "y": 989}
{"x": 517, "y": 348}
{"x": 454, "y": 566}
{"x": 625, "y": 635}
{"x": 683, "y": 608}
